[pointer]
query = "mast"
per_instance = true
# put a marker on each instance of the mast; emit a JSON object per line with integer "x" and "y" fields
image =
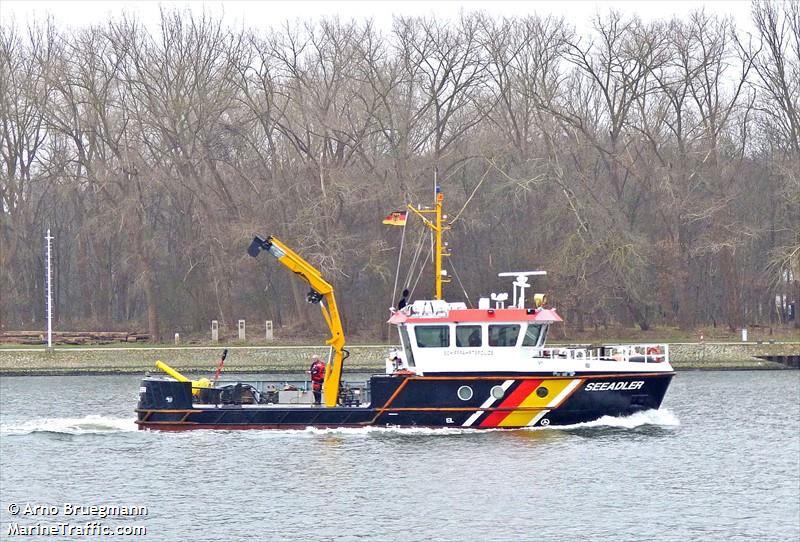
{"x": 438, "y": 229}
{"x": 438, "y": 249}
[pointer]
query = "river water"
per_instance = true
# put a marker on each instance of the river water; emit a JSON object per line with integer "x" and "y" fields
{"x": 719, "y": 461}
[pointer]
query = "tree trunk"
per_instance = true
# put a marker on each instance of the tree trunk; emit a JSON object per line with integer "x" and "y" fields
{"x": 730, "y": 281}
{"x": 152, "y": 301}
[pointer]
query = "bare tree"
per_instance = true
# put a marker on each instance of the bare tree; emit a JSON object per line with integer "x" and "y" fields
{"x": 653, "y": 167}
{"x": 778, "y": 89}
{"x": 24, "y": 91}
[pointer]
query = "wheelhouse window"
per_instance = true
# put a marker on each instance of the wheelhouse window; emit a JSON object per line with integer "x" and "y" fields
{"x": 468, "y": 336}
{"x": 432, "y": 336}
{"x": 545, "y": 329}
{"x": 532, "y": 335}
{"x": 406, "y": 343}
{"x": 503, "y": 334}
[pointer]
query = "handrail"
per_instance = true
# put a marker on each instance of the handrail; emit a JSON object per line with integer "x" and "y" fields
{"x": 650, "y": 352}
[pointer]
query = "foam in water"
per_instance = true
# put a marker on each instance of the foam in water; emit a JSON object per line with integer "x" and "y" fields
{"x": 94, "y": 424}
{"x": 662, "y": 417}
{"x": 88, "y": 425}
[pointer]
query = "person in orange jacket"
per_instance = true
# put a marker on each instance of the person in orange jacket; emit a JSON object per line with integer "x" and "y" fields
{"x": 317, "y": 373}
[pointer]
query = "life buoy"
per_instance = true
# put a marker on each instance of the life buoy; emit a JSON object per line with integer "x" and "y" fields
{"x": 654, "y": 351}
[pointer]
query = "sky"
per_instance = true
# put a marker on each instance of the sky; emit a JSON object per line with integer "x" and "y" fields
{"x": 263, "y": 14}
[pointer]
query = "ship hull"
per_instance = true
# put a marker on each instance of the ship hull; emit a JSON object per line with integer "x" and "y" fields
{"x": 477, "y": 401}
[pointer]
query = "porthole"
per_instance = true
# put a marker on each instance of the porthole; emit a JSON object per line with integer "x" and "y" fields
{"x": 542, "y": 391}
{"x": 465, "y": 393}
{"x": 498, "y": 392}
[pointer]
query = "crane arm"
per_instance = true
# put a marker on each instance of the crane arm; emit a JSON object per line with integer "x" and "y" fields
{"x": 321, "y": 293}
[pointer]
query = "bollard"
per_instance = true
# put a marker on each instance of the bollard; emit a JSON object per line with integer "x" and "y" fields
{"x": 268, "y": 326}
{"x": 744, "y": 334}
{"x": 241, "y": 330}
{"x": 214, "y": 331}
{"x": 177, "y": 338}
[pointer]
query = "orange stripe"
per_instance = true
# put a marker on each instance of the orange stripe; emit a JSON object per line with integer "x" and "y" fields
{"x": 389, "y": 401}
{"x": 524, "y": 389}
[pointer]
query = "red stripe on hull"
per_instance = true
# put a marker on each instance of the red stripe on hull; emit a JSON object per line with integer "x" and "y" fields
{"x": 524, "y": 389}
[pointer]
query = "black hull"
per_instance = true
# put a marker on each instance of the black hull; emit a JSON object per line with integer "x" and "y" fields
{"x": 525, "y": 401}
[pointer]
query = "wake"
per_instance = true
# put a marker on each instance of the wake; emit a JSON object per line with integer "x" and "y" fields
{"x": 103, "y": 425}
{"x": 88, "y": 425}
{"x": 661, "y": 417}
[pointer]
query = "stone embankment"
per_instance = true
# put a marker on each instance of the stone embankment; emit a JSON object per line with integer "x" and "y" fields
{"x": 191, "y": 359}
{"x": 292, "y": 359}
{"x": 732, "y": 355}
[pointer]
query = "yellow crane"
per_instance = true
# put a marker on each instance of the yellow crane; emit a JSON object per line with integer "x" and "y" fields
{"x": 321, "y": 293}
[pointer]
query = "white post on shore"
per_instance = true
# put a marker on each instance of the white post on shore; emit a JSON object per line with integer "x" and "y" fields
{"x": 269, "y": 335}
{"x": 49, "y": 238}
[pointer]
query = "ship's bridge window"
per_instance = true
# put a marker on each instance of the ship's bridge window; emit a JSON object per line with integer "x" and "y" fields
{"x": 532, "y": 335}
{"x": 406, "y": 343}
{"x": 432, "y": 336}
{"x": 468, "y": 336}
{"x": 503, "y": 334}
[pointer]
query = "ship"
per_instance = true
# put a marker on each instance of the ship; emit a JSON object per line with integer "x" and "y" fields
{"x": 484, "y": 367}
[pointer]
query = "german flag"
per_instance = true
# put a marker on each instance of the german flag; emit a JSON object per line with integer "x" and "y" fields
{"x": 395, "y": 218}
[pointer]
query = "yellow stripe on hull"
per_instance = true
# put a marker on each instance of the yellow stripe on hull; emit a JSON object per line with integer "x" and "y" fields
{"x": 519, "y": 418}
{"x": 533, "y": 404}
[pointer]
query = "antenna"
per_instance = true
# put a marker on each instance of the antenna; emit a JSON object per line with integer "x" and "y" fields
{"x": 500, "y": 300}
{"x": 520, "y": 284}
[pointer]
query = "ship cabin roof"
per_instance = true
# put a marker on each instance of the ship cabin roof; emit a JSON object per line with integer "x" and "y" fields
{"x": 448, "y": 314}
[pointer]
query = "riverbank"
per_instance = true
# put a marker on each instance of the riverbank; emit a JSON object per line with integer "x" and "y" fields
{"x": 292, "y": 359}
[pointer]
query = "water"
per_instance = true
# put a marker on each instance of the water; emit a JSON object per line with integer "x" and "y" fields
{"x": 719, "y": 461}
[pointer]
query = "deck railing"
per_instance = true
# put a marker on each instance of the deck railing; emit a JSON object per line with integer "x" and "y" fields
{"x": 646, "y": 352}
